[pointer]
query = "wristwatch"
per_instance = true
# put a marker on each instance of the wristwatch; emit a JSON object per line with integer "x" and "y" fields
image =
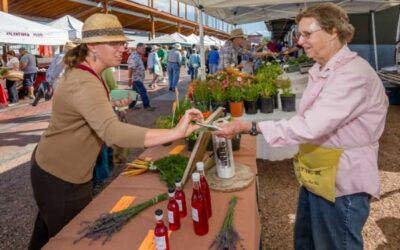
{"x": 253, "y": 131}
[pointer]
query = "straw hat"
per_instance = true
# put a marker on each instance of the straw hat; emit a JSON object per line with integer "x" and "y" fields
{"x": 70, "y": 45}
{"x": 237, "y": 33}
{"x": 178, "y": 46}
{"x": 102, "y": 28}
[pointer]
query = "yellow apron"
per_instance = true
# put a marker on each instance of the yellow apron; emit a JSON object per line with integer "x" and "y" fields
{"x": 316, "y": 167}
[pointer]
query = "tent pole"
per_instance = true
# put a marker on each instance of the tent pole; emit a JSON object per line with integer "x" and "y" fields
{"x": 374, "y": 39}
{"x": 398, "y": 28}
{"x": 202, "y": 69}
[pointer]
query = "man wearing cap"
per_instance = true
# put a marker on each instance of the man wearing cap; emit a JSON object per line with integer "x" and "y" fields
{"x": 28, "y": 65}
{"x": 174, "y": 58}
{"x": 136, "y": 73}
{"x": 229, "y": 52}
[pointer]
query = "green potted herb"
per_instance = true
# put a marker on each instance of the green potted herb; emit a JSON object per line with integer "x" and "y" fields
{"x": 235, "y": 100}
{"x": 250, "y": 96}
{"x": 288, "y": 98}
{"x": 267, "y": 92}
{"x": 218, "y": 94}
{"x": 201, "y": 94}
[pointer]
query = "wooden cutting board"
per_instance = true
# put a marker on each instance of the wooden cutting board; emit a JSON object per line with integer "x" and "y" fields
{"x": 242, "y": 179}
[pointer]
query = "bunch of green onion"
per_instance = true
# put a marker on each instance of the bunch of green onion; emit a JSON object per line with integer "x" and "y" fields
{"x": 108, "y": 224}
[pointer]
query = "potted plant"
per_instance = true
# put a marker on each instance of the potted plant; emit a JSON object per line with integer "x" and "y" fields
{"x": 201, "y": 94}
{"x": 235, "y": 100}
{"x": 218, "y": 94}
{"x": 165, "y": 122}
{"x": 267, "y": 92}
{"x": 268, "y": 74}
{"x": 250, "y": 97}
{"x": 288, "y": 98}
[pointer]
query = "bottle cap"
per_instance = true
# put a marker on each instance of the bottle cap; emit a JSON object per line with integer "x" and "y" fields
{"x": 195, "y": 177}
{"x": 200, "y": 166}
{"x": 178, "y": 182}
{"x": 159, "y": 214}
{"x": 171, "y": 191}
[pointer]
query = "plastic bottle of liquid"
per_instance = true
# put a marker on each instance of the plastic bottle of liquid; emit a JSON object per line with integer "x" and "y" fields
{"x": 180, "y": 198}
{"x": 199, "y": 208}
{"x": 174, "y": 219}
{"x": 160, "y": 232}
{"x": 205, "y": 190}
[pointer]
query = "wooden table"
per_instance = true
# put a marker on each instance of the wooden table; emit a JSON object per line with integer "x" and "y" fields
{"x": 146, "y": 186}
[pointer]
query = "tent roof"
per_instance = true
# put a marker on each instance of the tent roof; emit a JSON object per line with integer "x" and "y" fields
{"x": 67, "y": 22}
{"x": 169, "y": 39}
{"x": 17, "y": 30}
{"x": 236, "y": 12}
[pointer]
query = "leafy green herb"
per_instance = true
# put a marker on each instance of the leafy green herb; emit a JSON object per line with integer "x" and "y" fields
{"x": 171, "y": 167}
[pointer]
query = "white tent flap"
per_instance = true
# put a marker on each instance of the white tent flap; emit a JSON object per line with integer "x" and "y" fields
{"x": 17, "y": 30}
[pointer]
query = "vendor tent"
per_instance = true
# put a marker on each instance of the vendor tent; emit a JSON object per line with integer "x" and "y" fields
{"x": 193, "y": 39}
{"x": 70, "y": 24}
{"x": 17, "y": 30}
{"x": 169, "y": 40}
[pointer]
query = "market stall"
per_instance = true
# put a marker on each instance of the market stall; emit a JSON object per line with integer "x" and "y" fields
{"x": 146, "y": 186}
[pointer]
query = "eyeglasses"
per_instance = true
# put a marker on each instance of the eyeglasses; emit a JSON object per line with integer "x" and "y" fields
{"x": 306, "y": 34}
{"x": 115, "y": 45}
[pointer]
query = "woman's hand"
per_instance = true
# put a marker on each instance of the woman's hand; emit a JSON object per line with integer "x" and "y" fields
{"x": 122, "y": 102}
{"x": 185, "y": 126}
{"x": 230, "y": 129}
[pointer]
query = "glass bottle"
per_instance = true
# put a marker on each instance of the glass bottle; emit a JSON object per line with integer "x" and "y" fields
{"x": 160, "y": 232}
{"x": 180, "y": 198}
{"x": 205, "y": 190}
{"x": 199, "y": 208}
{"x": 174, "y": 219}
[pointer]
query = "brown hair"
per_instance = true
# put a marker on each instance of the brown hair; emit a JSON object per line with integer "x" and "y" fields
{"x": 75, "y": 56}
{"x": 330, "y": 16}
{"x": 11, "y": 53}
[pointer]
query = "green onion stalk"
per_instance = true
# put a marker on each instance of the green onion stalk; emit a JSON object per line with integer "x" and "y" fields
{"x": 228, "y": 237}
{"x": 109, "y": 223}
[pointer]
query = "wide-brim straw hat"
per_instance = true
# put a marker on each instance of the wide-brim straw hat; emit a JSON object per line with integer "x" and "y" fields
{"x": 237, "y": 33}
{"x": 101, "y": 27}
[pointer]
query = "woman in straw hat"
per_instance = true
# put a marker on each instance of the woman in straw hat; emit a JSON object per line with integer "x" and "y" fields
{"x": 338, "y": 125}
{"x": 82, "y": 120}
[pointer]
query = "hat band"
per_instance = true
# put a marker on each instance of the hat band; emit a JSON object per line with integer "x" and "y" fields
{"x": 103, "y": 32}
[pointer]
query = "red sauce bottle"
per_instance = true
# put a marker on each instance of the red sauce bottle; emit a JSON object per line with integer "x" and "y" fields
{"x": 205, "y": 190}
{"x": 180, "y": 198}
{"x": 199, "y": 208}
{"x": 160, "y": 232}
{"x": 174, "y": 219}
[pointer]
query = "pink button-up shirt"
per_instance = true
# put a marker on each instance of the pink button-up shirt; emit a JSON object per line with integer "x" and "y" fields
{"x": 344, "y": 106}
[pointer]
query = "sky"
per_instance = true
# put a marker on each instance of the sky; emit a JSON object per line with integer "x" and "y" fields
{"x": 256, "y": 27}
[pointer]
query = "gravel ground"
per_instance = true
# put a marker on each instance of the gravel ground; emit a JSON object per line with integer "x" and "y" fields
{"x": 278, "y": 195}
{"x": 279, "y": 192}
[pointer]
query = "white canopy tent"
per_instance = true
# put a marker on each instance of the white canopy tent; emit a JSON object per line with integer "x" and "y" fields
{"x": 72, "y": 25}
{"x": 236, "y": 12}
{"x": 169, "y": 39}
{"x": 17, "y": 30}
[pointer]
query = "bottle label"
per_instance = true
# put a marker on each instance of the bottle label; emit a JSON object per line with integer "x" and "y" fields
{"x": 170, "y": 217}
{"x": 179, "y": 205}
{"x": 160, "y": 242}
{"x": 195, "y": 214}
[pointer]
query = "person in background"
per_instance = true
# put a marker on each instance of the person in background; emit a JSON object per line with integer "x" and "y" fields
{"x": 154, "y": 66}
{"x": 228, "y": 56}
{"x": 247, "y": 58}
{"x": 28, "y": 65}
{"x": 12, "y": 64}
{"x": 185, "y": 57}
{"x": 162, "y": 55}
{"x": 338, "y": 124}
{"x": 136, "y": 75}
{"x": 194, "y": 64}
{"x": 174, "y": 59}
{"x": 82, "y": 120}
{"x": 213, "y": 59}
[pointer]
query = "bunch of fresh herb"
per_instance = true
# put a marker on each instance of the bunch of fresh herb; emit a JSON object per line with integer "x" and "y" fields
{"x": 108, "y": 224}
{"x": 171, "y": 167}
{"x": 228, "y": 237}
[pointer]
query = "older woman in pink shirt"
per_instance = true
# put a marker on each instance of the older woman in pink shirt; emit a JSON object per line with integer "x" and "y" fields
{"x": 338, "y": 125}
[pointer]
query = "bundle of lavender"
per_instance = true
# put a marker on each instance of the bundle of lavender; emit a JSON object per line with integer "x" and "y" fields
{"x": 108, "y": 224}
{"x": 228, "y": 237}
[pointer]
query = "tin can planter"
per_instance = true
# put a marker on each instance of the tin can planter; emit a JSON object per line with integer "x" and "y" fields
{"x": 288, "y": 103}
{"x": 236, "y": 108}
{"x": 250, "y": 107}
